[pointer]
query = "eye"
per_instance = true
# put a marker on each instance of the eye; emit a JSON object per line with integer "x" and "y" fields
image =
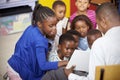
{"x": 50, "y": 26}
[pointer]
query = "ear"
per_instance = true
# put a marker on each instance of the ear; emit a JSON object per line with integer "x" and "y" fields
{"x": 103, "y": 22}
{"x": 88, "y": 5}
{"x": 39, "y": 24}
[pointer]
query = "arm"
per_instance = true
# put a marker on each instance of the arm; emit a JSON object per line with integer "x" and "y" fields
{"x": 96, "y": 58}
{"x": 43, "y": 63}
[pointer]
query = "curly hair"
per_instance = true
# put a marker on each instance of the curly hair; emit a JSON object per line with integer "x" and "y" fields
{"x": 81, "y": 18}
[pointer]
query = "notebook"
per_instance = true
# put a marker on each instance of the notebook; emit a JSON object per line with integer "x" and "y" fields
{"x": 80, "y": 59}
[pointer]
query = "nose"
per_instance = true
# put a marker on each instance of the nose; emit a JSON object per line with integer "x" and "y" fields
{"x": 70, "y": 51}
{"x": 54, "y": 30}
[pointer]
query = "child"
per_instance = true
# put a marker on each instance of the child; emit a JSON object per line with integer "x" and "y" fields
{"x": 76, "y": 35}
{"x": 66, "y": 47}
{"x": 29, "y": 59}
{"x": 92, "y": 35}
{"x": 59, "y": 8}
{"x": 82, "y": 24}
{"x": 82, "y": 6}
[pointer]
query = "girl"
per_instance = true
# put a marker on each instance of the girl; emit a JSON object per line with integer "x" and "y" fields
{"x": 29, "y": 58}
{"x": 82, "y": 9}
{"x": 82, "y": 24}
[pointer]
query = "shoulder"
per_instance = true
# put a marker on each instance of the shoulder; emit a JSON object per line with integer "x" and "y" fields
{"x": 98, "y": 42}
{"x": 73, "y": 15}
{"x": 53, "y": 56}
{"x": 91, "y": 12}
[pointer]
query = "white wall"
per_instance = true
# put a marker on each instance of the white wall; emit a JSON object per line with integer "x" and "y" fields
{"x": 7, "y": 44}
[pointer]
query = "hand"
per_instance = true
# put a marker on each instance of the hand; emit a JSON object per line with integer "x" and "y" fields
{"x": 68, "y": 71}
{"x": 62, "y": 63}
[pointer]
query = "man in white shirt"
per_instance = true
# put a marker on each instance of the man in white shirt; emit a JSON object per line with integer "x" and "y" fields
{"x": 105, "y": 50}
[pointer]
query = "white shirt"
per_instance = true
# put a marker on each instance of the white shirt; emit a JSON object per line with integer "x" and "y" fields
{"x": 61, "y": 24}
{"x": 53, "y": 56}
{"x": 105, "y": 51}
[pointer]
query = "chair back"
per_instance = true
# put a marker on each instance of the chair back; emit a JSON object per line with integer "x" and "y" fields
{"x": 109, "y": 72}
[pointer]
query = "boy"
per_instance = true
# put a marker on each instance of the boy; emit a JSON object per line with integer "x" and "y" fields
{"x": 59, "y": 8}
{"x": 92, "y": 35}
{"x": 66, "y": 47}
{"x": 76, "y": 35}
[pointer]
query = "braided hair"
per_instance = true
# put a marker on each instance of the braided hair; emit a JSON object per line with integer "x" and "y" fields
{"x": 41, "y": 13}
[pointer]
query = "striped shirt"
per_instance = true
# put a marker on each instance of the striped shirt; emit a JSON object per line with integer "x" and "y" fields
{"x": 91, "y": 15}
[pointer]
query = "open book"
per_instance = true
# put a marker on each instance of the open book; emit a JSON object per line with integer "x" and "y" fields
{"x": 80, "y": 59}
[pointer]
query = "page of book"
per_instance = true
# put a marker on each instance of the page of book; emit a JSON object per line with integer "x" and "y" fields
{"x": 80, "y": 59}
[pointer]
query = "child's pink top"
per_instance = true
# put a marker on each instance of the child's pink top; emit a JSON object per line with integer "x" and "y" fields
{"x": 91, "y": 15}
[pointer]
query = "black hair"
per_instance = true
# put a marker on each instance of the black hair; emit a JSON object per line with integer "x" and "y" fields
{"x": 41, "y": 13}
{"x": 81, "y": 18}
{"x": 73, "y": 32}
{"x": 58, "y": 2}
{"x": 94, "y": 32}
{"x": 107, "y": 8}
{"x": 66, "y": 37}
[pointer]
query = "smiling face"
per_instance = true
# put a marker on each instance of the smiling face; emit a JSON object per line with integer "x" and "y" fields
{"x": 82, "y": 28}
{"x": 48, "y": 26}
{"x": 60, "y": 11}
{"x": 82, "y": 5}
{"x": 67, "y": 48}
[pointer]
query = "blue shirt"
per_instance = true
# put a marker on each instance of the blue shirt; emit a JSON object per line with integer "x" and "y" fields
{"x": 83, "y": 44}
{"x": 29, "y": 58}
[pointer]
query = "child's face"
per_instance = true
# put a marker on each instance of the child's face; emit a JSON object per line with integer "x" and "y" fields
{"x": 92, "y": 38}
{"x": 48, "y": 26}
{"x": 67, "y": 48}
{"x": 76, "y": 41}
{"x": 82, "y": 5}
{"x": 60, "y": 11}
{"x": 82, "y": 28}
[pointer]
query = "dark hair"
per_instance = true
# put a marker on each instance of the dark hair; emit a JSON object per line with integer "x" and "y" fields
{"x": 58, "y": 2}
{"x": 66, "y": 37}
{"x": 41, "y": 13}
{"x": 107, "y": 8}
{"x": 81, "y": 18}
{"x": 73, "y": 32}
{"x": 94, "y": 32}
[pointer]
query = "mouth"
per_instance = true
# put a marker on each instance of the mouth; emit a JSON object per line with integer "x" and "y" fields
{"x": 68, "y": 56}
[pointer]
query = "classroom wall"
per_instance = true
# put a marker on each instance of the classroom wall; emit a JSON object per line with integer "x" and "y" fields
{"x": 7, "y": 44}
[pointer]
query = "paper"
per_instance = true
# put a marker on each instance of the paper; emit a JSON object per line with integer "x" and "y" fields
{"x": 80, "y": 59}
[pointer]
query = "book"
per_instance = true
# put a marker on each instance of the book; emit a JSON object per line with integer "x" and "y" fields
{"x": 80, "y": 59}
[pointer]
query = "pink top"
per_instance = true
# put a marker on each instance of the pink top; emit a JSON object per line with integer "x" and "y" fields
{"x": 91, "y": 15}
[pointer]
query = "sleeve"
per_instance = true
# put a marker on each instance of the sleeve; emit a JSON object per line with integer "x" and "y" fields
{"x": 76, "y": 77}
{"x": 96, "y": 57}
{"x": 53, "y": 56}
{"x": 42, "y": 60}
